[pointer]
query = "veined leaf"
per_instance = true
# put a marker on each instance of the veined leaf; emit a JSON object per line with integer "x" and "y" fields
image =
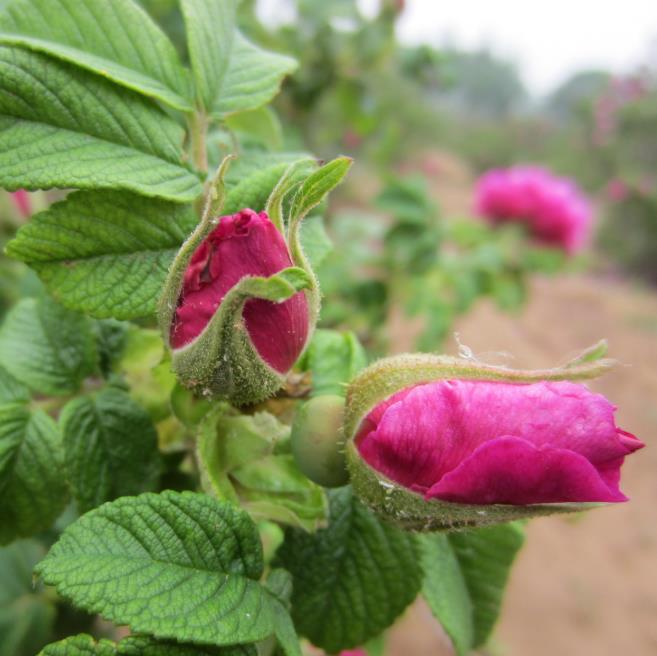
{"x": 352, "y": 579}
{"x": 154, "y": 561}
{"x": 106, "y": 253}
{"x": 111, "y": 448}
{"x": 32, "y": 489}
{"x": 26, "y": 616}
{"x": 61, "y": 126}
{"x": 210, "y": 28}
{"x": 11, "y": 389}
{"x": 252, "y": 79}
{"x": 85, "y": 645}
{"x": 464, "y": 580}
{"x": 47, "y": 347}
{"x": 115, "y": 39}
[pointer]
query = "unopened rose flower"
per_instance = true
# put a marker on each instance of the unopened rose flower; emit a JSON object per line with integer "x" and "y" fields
{"x": 244, "y": 244}
{"x": 481, "y": 442}
{"x": 552, "y": 208}
{"x": 440, "y": 443}
{"x": 236, "y": 311}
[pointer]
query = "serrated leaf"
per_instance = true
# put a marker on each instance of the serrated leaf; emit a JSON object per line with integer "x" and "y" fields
{"x": 352, "y": 579}
{"x": 315, "y": 241}
{"x": 11, "y": 389}
{"x": 61, "y": 126}
{"x": 114, "y": 39}
{"x": 153, "y": 561}
{"x": 333, "y": 358}
{"x": 47, "y": 347}
{"x": 445, "y": 590}
{"x": 26, "y": 617}
{"x": 210, "y": 29}
{"x": 252, "y": 79}
{"x": 485, "y": 556}
{"x": 106, "y": 253}
{"x": 464, "y": 579}
{"x": 85, "y": 645}
{"x": 111, "y": 448}
{"x": 33, "y": 491}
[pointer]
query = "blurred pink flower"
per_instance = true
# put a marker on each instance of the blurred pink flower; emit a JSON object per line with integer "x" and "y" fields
{"x": 480, "y": 442}
{"x": 552, "y": 208}
{"x": 21, "y": 200}
{"x": 244, "y": 244}
{"x": 617, "y": 190}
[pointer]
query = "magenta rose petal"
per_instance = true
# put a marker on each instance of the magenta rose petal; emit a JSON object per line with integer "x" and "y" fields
{"x": 511, "y": 470}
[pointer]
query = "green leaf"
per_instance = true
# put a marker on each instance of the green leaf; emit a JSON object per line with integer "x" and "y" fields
{"x": 114, "y": 39}
{"x": 316, "y": 186}
{"x": 252, "y": 79}
{"x": 210, "y": 28}
{"x": 315, "y": 241}
{"x": 445, "y": 590}
{"x": 464, "y": 579}
{"x": 111, "y": 448}
{"x": 258, "y": 125}
{"x": 11, "y": 389}
{"x": 333, "y": 358}
{"x": 26, "y": 617}
{"x": 106, "y": 253}
{"x": 61, "y": 126}
{"x": 154, "y": 561}
{"x": 485, "y": 556}
{"x": 47, "y": 347}
{"x": 85, "y": 645}
{"x": 254, "y": 179}
{"x": 285, "y": 632}
{"x": 352, "y": 579}
{"x": 33, "y": 491}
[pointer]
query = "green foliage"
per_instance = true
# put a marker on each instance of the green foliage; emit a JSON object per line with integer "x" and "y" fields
{"x": 85, "y": 645}
{"x": 111, "y": 447}
{"x": 151, "y": 561}
{"x": 46, "y": 347}
{"x": 26, "y": 616}
{"x": 62, "y": 126}
{"x": 116, "y": 40}
{"x": 464, "y": 579}
{"x": 106, "y": 253}
{"x": 334, "y": 603}
{"x": 333, "y": 358}
{"x": 33, "y": 491}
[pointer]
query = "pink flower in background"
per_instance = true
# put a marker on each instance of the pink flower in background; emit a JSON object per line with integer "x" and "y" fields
{"x": 244, "y": 244}
{"x": 617, "y": 190}
{"x": 482, "y": 442}
{"x": 552, "y": 208}
{"x": 21, "y": 200}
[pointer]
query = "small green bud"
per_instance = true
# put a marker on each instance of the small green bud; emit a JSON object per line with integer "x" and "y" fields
{"x": 318, "y": 441}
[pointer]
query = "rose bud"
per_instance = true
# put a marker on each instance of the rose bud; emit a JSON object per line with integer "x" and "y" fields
{"x": 440, "y": 443}
{"x": 239, "y": 324}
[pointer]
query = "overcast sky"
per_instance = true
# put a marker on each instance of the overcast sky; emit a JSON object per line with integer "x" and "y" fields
{"x": 548, "y": 39}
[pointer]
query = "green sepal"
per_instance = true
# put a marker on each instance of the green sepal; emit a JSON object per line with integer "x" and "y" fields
{"x": 409, "y": 509}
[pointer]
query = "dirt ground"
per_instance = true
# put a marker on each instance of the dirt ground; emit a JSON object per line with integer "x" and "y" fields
{"x": 585, "y": 586}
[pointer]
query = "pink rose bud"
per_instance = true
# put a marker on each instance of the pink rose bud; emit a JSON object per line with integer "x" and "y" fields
{"x": 236, "y": 311}
{"x": 553, "y": 209}
{"x": 451, "y": 443}
{"x": 244, "y": 244}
